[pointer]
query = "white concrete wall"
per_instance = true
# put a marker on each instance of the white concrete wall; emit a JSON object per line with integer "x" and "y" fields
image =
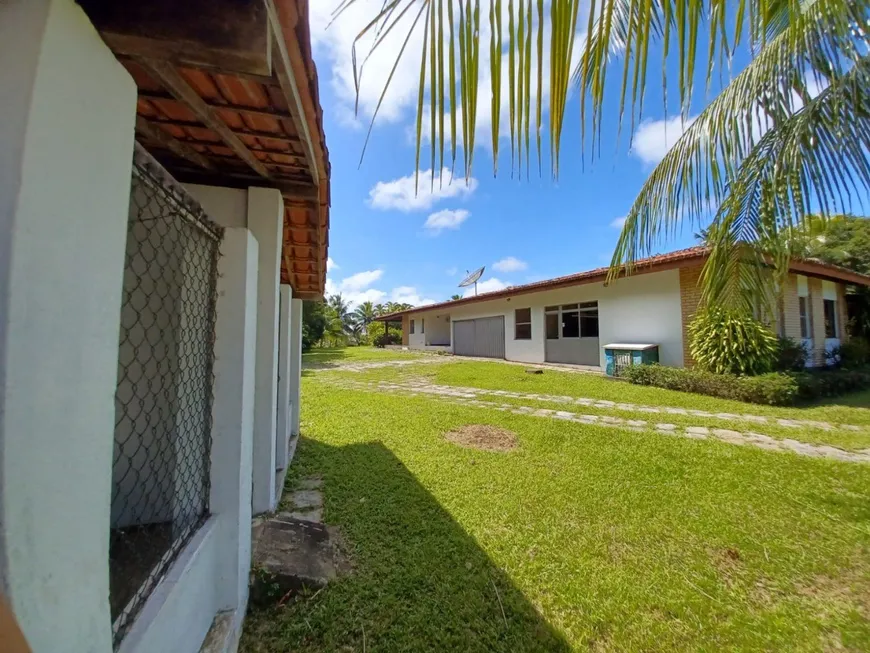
{"x": 642, "y": 308}
{"x": 226, "y": 206}
{"x": 438, "y": 331}
{"x": 233, "y": 411}
{"x": 66, "y": 148}
{"x": 261, "y": 210}
{"x": 266, "y": 222}
{"x": 295, "y": 367}
{"x": 284, "y": 354}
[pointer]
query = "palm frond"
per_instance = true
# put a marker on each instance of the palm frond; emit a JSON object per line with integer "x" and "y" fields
{"x": 699, "y": 169}
{"x": 811, "y": 158}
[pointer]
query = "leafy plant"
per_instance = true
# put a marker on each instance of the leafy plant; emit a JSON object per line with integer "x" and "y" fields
{"x": 852, "y": 354}
{"x": 791, "y": 355}
{"x": 726, "y": 341}
{"x": 384, "y": 339}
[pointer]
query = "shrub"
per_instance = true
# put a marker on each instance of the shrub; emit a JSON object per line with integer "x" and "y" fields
{"x": 852, "y": 354}
{"x": 791, "y": 355}
{"x": 728, "y": 342}
{"x": 774, "y": 388}
{"x": 383, "y": 339}
{"x": 831, "y": 383}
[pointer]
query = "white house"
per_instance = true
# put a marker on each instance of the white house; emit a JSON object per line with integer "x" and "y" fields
{"x": 164, "y": 205}
{"x": 570, "y": 320}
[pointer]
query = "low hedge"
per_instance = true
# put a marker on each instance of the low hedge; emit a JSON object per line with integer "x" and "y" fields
{"x": 774, "y": 389}
{"x": 831, "y": 383}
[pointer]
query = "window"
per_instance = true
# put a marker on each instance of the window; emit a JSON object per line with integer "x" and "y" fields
{"x": 523, "y": 324}
{"x": 830, "y": 318}
{"x": 423, "y": 325}
{"x": 589, "y": 320}
{"x": 552, "y": 326}
{"x": 570, "y": 323}
{"x": 804, "y": 318}
{"x": 412, "y": 327}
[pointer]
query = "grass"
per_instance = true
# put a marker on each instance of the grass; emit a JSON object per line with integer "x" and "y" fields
{"x": 584, "y": 538}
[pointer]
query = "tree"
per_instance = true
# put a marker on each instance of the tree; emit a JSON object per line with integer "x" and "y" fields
{"x": 767, "y": 150}
{"x": 845, "y": 241}
{"x": 453, "y": 298}
{"x": 314, "y": 323}
{"x": 364, "y": 315}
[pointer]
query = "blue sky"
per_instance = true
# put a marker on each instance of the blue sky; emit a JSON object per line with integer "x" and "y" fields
{"x": 388, "y": 244}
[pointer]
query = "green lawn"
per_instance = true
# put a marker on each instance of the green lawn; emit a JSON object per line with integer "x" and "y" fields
{"x": 584, "y": 538}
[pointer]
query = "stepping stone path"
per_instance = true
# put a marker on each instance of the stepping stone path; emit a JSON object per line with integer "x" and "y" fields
{"x": 293, "y": 549}
{"x": 469, "y": 397}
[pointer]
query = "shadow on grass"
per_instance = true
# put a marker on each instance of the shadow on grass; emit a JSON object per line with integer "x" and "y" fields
{"x": 420, "y": 582}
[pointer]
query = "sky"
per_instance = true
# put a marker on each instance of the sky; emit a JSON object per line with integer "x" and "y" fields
{"x": 388, "y": 243}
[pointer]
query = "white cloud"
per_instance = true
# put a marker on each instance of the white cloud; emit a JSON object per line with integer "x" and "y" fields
{"x": 510, "y": 264}
{"x": 489, "y": 285}
{"x": 404, "y": 194}
{"x": 355, "y": 288}
{"x": 409, "y": 295}
{"x": 653, "y": 138}
{"x": 360, "y": 280}
{"x": 331, "y": 265}
{"x": 451, "y": 272}
{"x": 446, "y": 219}
{"x": 618, "y": 223}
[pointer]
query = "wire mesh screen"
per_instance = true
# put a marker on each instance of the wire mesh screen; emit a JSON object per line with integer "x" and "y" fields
{"x": 163, "y": 400}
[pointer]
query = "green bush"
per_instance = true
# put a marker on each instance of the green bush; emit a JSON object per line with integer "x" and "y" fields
{"x": 853, "y": 354}
{"x": 774, "y": 388}
{"x": 791, "y": 355}
{"x": 831, "y": 383}
{"x": 729, "y": 342}
{"x": 383, "y": 339}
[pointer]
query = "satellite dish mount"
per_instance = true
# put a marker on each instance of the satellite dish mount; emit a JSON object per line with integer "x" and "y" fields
{"x": 472, "y": 279}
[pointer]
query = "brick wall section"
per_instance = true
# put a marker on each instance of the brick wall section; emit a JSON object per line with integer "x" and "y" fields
{"x": 690, "y": 298}
{"x": 817, "y": 321}
{"x": 406, "y": 329}
{"x": 791, "y": 308}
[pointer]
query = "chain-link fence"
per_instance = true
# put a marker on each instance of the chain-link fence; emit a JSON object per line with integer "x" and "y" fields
{"x": 163, "y": 401}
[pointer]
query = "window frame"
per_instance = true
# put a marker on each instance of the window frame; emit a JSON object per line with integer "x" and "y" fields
{"x": 583, "y": 310}
{"x": 411, "y": 327}
{"x": 804, "y": 317}
{"x": 518, "y": 323}
{"x": 834, "y": 322}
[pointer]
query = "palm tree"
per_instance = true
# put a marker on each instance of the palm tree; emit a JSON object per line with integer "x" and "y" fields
{"x": 364, "y": 315}
{"x": 766, "y": 150}
{"x": 453, "y": 298}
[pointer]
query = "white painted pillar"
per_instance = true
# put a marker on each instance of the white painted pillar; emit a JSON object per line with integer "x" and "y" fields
{"x": 66, "y": 151}
{"x": 284, "y": 354}
{"x": 266, "y": 222}
{"x": 233, "y": 414}
{"x": 295, "y": 365}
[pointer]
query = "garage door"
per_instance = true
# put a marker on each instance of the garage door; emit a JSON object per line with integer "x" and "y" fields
{"x": 482, "y": 337}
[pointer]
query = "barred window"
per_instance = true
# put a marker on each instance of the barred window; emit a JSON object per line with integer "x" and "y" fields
{"x": 163, "y": 401}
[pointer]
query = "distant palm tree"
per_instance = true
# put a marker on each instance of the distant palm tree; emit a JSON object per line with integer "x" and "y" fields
{"x": 364, "y": 315}
{"x": 339, "y": 307}
{"x": 380, "y": 309}
{"x": 453, "y": 298}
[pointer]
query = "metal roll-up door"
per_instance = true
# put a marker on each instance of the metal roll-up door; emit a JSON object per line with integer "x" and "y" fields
{"x": 482, "y": 337}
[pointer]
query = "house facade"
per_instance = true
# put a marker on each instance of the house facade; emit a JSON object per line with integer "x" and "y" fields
{"x": 570, "y": 320}
{"x": 164, "y": 210}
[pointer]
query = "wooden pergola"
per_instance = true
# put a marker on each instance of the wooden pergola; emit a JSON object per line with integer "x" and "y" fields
{"x": 228, "y": 96}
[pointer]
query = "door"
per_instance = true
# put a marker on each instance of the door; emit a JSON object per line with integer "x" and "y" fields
{"x": 482, "y": 337}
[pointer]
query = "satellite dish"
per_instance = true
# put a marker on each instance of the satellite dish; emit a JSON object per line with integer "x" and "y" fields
{"x": 472, "y": 279}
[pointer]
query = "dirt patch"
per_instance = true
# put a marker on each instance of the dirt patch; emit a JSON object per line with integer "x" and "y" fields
{"x": 484, "y": 437}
